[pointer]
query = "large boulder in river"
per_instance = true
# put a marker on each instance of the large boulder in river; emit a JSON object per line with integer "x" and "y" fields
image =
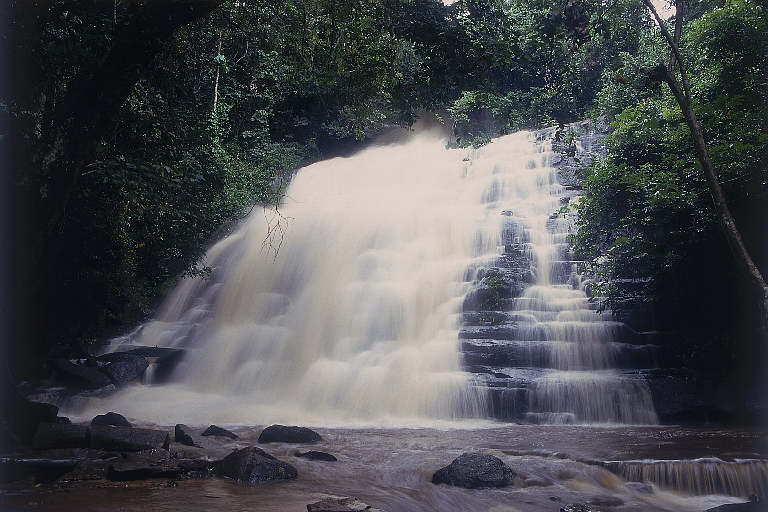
{"x": 60, "y": 435}
{"x": 474, "y": 471}
{"x": 340, "y": 504}
{"x": 253, "y": 465}
{"x": 126, "y": 439}
{"x": 213, "y": 430}
{"x": 111, "y": 418}
{"x": 286, "y": 434}
{"x": 123, "y": 368}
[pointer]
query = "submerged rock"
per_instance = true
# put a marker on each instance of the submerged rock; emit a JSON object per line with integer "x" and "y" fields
{"x": 314, "y": 455}
{"x": 286, "y": 434}
{"x": 252, "y": 465}
{"x": 213, "y": 430}
{"x": 129, "y": 473}
{"x": 340, "y": 504}
{"x": 128, "y": 439}
{"x": 111, "y": 418}
{"x": 183, "y": 434}
{"x": 578, "y": 507}
{"x": 752, "y": 506}
{"x": 475, "y": 470}
{"x": 60, "y": 435}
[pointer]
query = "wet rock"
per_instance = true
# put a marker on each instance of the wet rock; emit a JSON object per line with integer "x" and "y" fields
{"x": 129, "y": 473}
{"x": 80, "y": 376}
{"x": 183, "y": 434}
{"x": 122, "y": 367}
{"x": 213, "y": 430}
{"x": 252, "y": 465}
{"x": 60, "y": 435}
{"x": 111, "y": 418}
{"x": 62, "y": 419}
{"x": 128, "y": 439}
{"x": 752, "y": 506}
{"x": 314, "y": 455}
{"x": 41, "y": 470}
{"x": 196, "y": 468}
{"x": 475, "y": 470}
{"x": 340, "y": 504}
{"x": 285, "y": 434}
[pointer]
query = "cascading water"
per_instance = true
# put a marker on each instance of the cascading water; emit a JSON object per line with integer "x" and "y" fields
{"x": 355, "y": 318}
{"x": 545, "y": 354}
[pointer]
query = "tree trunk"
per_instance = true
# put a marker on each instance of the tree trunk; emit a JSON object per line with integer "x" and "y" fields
{"x": 216, "y": 82}
{"x": 725, "y": 218}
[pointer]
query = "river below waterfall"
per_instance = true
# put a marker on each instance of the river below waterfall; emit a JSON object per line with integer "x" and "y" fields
{"x": 392, "y": 468}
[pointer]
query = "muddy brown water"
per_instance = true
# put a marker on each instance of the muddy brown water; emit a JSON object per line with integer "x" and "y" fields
{"x": 392, "y": 468}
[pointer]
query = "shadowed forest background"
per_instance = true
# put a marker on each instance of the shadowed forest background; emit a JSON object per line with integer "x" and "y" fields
{"x": 138, "y": 132}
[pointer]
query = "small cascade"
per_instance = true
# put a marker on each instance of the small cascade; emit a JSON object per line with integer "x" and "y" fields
{"x": 543, "y": 352}
{"x": 740, "y": 478}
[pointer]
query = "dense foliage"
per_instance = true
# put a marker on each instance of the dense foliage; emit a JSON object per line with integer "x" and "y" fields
{"x": 647, "y": 225}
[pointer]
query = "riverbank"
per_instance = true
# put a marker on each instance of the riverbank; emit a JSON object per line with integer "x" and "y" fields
{"x": 391, "y": 469}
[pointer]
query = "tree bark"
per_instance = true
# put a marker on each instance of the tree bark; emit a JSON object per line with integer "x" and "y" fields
{"x": 725, "y": 218}
{"x": 679, "y": 14}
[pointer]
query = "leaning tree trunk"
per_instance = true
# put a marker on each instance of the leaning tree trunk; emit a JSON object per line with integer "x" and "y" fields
{"x": 724, "y": 216}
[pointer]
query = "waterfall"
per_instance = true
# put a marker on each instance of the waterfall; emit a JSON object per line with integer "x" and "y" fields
{"x": 742, "y": 477}
{"x": 351, "y": 302}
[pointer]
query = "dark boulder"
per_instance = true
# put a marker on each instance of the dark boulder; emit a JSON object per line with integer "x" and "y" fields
{"x": 252, "y": 465}
{"x": 111, "y": 418}
{"x": 285, "y": 434}
{"x": 475, "y": 470}
{"x": 21, "y": 418}
{"x": 60, "y": 435}
{"x": 127, "y": 439}
{"x": 213, "y": 430}
{"x": 123, "y": 368}
{"x": 183, "y": 434}
{"x": 314, "y": 455}
{"x": 129, "y": 473}
{"x": 80, "y": 376}
{"x": 41, "y": 470}
{"x": 340, "y": 504}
